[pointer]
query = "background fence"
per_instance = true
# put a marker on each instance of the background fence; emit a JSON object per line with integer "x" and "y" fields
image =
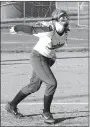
{"x": 25, "y": 11}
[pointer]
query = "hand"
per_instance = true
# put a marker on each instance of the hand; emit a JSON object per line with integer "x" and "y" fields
{"x": 12, "y": 31}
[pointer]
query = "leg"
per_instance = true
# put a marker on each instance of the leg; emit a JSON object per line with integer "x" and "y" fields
{"x": 33, "y": 86}
{"x": 43, "y": 70}
{"x": 48, "y": 99}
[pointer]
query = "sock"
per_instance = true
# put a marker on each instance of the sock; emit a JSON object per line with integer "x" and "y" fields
{"x": 47, "y": 103}
{"x": 18, "y": 98}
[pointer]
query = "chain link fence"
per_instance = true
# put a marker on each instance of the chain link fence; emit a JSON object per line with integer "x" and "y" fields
{"x": 33, "y": 11}
{"x": 26, "y": 9}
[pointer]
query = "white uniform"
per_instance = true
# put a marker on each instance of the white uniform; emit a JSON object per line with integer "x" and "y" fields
{"x": 45, "y": 42}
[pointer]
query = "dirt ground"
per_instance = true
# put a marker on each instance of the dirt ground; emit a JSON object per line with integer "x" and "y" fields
{"x": 70, "y": 103}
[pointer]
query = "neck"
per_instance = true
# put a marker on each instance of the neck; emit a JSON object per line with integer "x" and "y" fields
{"x": 58, "y": 34}
{"x": 55, "y": 37}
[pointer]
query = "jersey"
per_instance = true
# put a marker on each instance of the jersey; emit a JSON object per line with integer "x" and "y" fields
{"x": 49, "y": 40}
{"x": 48, "y": 43}
{"x": 44, "y": 44}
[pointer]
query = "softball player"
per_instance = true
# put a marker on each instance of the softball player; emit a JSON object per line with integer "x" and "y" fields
{"x": 42, "y": 57}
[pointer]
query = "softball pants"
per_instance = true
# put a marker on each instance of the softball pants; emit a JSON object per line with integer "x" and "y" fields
{"x": 41, "y": 73}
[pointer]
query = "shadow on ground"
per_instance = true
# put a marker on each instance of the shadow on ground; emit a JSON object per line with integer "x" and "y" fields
{"x": 59, "y": 120}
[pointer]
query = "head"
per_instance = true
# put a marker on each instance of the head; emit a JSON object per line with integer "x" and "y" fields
{"x": 60, "y": 20}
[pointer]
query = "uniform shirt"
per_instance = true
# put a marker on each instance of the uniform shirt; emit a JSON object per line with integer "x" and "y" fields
{"x": 46, "y": 39}
{"x": 45, "y": 42}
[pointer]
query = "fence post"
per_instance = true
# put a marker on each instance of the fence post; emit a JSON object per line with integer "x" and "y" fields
{"x": 78, "y": 14}
{"x": 24, "y": 11}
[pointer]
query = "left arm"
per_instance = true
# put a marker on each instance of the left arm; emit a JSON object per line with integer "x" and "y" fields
{"x": 29, "y": 29}
{"x": 21, "y": 28}
{"x": 24, "y": 28}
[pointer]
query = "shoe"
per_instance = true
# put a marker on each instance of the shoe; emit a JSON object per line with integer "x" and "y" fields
{"x": 48, "y": 118}
{"x": 13, "y": 110}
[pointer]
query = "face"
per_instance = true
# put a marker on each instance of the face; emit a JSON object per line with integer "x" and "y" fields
{"x": 59, "y": 27}
{"x": 63, "y": 20}
{"x": 60, "y": 24}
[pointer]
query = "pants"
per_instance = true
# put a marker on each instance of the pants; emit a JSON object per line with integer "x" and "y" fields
{"x": 41, "y": 73}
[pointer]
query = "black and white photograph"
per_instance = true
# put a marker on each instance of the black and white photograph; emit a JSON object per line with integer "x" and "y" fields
{"x": 45, "y": 63}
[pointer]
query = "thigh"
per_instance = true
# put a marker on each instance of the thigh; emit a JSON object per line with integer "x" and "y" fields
{"x": 42, "y": 69}
{"x": 35, "y": 79}
{"x": 34, "y": 85}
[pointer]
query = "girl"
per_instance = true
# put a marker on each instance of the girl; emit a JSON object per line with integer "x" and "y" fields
{"x": 42, "y": 57}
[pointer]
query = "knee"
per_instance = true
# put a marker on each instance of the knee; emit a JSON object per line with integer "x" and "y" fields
{"x": 51, "y": 88}
{"x": 26, "y": 90}
{"x": 29, "y": 89}
{"x": 53, "y": 83}
{"x": 32, "y": 87}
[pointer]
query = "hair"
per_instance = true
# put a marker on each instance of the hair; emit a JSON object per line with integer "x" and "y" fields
{"x": 57, "y": 13}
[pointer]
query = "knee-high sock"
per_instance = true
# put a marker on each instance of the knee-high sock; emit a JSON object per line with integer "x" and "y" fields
{"x": 47, "y": 103}
{"x": 18, "y": 98}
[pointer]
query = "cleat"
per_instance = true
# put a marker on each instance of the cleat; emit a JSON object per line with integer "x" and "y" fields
{"x": 13, "y": 110}
{"x": 48, "y": 118}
